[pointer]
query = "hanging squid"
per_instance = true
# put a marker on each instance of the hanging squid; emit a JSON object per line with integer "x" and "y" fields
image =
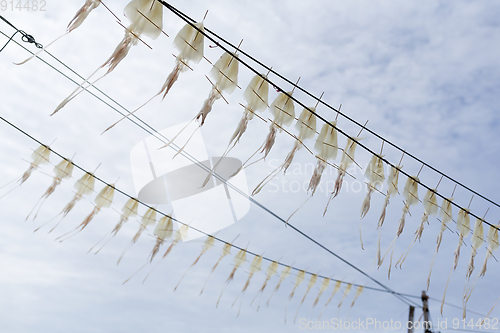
{"x": 359, "y": 291}
{"x": 410, "y": 194}
{"x": 283, "y": 111}
{"x": 477, "y": 241}
{"x": 375, "y": 174}
{"x": 347, "y": 290}
{"x": 336, "y": 288}
{"x": 463, "y": 227}
{"x": 255, "y": 267}
{"x": 310, "y": 284}
{"x": 226, "y": 250}
{"x": 298, "y": 280}
{"x": 326, "y": 147}
{"x": 84, "y": 186}
{"x": 149, "y": 218}
{"x": 145, "y": 18}
{"x": 345, "y": 162}
{"x": 492, "y": 241}
{"x": 164, "y": 230}
{"x": 324, "y": 286}
{"x": 446, "y": 216}
{"x": 62, "y": 171}
{"x": 225, "y": 75}
{"x": 392, "y": 190}
{"x": 39, "y": 157}
{"x": 430, "y": 208}
{"x": 306, "y": 126}
{"x": 209, "y": 243}
{"x": 189, "y": 41}
{"x": 272, "y": 270}
{"x": 238, "y": 260}
{"x": 79, "y": 18}
{"x": 256, "y": 95}
{"x": 179, "y": 235}
{"x": 287, "y": 270}
{"x": 104, "y": 199}
{"x": 128, "y": 210}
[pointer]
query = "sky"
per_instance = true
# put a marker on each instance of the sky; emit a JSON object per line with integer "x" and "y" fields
{"x": 424, "y": 75}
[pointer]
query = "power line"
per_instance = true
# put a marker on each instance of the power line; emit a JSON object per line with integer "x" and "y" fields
{"x": 183, "y": 223}
{"x": 251, "y": 199}
{"x": 189, "y": 20}
{"x": 192, "y": 159}
{"x": 300, "y": 232}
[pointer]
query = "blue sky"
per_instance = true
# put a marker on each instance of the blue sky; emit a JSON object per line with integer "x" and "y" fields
{"x": 424, "y": 75}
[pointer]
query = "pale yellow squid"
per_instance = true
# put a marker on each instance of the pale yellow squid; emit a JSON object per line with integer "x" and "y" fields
{"x": 179, "y": 235}
{"x": 336, "y": 288}
{"x": 324, "y": 286}
{"x": 256, "y": 94}
{"x": 239, "y": 259}
{"x": 477, "y": 241}
{"x": 287, "y": 270}
{"x": 226, "y": 250}
{"x": 128, "y": 210}
{"x": 283, "y": 112}
{"x": 255, "y": 267}
{"x": 40, "y": 156}
{"x": 225, "y": 75}
{"x": 410, "y": 194}
{"x": 310, "y": 284}
{"x": 347, "y": 290}
{"x": 431, "y": 207}
{"x": 272, "y": 270}
{"x": 345, "y": 162}
{"x": 189, "y": 41}
{"x": 146, "y": 18}
{"x": 326, "y": 147}
{"x": 392, "y": 190}
{"x": 306, "y": 125}
{"x": 104, "y": 199}
{"x": 359, "y": 291}
{"x": 149, "y": 218}
{"x": 164, "y": 230}
{"x": 446, "y": 215}
{"x": 299, "y": 279}
{"x": 84, "y": 186}
{"x": 62, "y": 170}
{"x": 375, "y": 174}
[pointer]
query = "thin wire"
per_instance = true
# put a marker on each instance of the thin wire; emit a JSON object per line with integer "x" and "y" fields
{"x": 25, "y": 38}
{"x": 220, "y": 240}
{"x": 187, "y": 19}
{"x": 457, "y": 307}
{"x": 185, "y": 154}
{"x": 201, "y": 231}
{"x": 387, "y": 290}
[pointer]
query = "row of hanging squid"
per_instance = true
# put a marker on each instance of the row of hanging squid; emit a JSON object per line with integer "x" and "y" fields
{"x": 145, "y": 18}
{"x": 164, "y": 232}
